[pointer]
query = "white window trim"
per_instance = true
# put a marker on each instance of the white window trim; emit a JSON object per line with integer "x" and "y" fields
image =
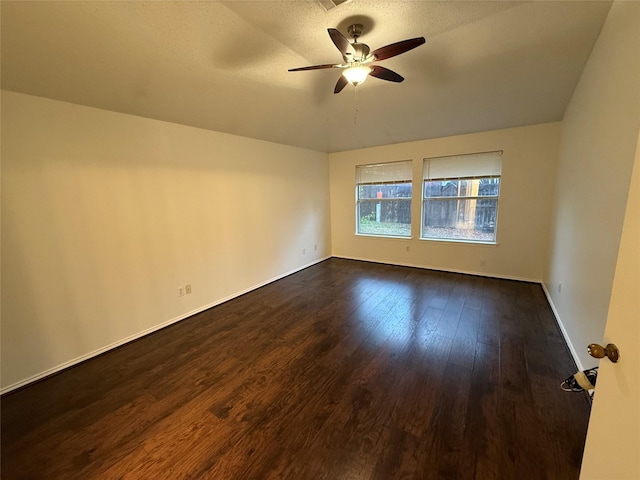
{"x": 472, "y": 166}
{"x": 404, "y": 174}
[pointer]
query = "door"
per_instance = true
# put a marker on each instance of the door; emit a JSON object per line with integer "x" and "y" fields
{"x": 612, "y": 449}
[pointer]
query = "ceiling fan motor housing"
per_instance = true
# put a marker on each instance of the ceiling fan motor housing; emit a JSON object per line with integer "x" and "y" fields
{"x": 361, "y": 52}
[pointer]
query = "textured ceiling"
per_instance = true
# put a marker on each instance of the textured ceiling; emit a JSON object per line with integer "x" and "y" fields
{"x": 223, "y": 65}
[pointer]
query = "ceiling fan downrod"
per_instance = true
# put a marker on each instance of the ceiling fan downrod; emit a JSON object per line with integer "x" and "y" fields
{"x": 355, "y": 31}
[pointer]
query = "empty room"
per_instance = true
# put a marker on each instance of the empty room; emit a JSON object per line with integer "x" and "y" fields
{"x": 320, "y": 239}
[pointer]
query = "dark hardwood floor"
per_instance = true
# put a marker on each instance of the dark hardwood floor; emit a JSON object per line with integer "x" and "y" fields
{"x": 345, "y": 370}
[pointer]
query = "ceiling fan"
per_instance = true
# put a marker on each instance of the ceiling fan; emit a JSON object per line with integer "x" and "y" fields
{"x": 359, "y": 58}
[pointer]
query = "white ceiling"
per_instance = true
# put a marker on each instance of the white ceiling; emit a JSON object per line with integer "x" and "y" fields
{"x": 223, "y": 65}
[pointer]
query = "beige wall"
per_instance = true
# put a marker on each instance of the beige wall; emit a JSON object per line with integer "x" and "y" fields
{"x": 528, "y": 169}
{"x": 599, "y": 133}
{"x": 104, "y": 215}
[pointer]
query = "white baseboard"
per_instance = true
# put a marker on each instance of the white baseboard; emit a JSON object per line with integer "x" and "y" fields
{"x": 147, "y": 331}
{"x": 567, "y": 340}
{"x": 451, "y": 270}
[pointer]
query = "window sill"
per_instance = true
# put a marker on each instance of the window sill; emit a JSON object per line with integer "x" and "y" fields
{"x": 460, "y": 242}
{"x": 370, "y": 235}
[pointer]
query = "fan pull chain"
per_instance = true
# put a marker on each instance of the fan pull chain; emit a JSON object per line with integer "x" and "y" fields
{"x": 355, "y": 100}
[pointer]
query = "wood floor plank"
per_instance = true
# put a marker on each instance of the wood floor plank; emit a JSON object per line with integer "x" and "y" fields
{"x": 483, "y": 412}
{"x": 346, "y": 369}
{"x": 463, "y": 351}
{"x": 450, "y": 425}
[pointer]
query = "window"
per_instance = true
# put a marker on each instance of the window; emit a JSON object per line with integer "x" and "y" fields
{"x": 383, "y": 199}
{"x": 460, "y": 197}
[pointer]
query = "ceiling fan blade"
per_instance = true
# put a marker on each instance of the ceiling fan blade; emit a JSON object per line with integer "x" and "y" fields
{"x": 341, "y": 42}
{"x": 385, "y": 74}
{"x": 397, "y": 48}
{"x": 315, "y": 67}
{"x": 342, "y": 82}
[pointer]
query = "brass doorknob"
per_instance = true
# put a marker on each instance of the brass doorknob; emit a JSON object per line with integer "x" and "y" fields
{"x": 598, "y": 351}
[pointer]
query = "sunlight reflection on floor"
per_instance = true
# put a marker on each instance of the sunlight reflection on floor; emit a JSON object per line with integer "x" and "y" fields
{"x": 396, "y": 320}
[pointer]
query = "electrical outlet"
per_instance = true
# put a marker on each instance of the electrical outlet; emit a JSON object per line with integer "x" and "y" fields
{"x": 408, "y": 248}
{"x": 304, "y": 250}
{"x": 187, "y": 289}
{"x": 315, "y": 247}
{"x": 559, "y": 287}
{"x": 180, "y": 291}
{"x": 483, "y": 263}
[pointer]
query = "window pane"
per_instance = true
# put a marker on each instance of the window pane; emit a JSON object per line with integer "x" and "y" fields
{"x": 383, "y": 199}
{"x": 460, "y": 219}
{"x": 387, "y": 190}
{"x": 489, "y": 187}
{"x": 462, "y": 187}
{"x": 441, "y": 188}
{"x": 385, "y": 217}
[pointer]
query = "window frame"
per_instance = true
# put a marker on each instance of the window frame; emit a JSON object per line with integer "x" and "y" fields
{"x": 490, "y": 169}
{"x": 359, "y": 201}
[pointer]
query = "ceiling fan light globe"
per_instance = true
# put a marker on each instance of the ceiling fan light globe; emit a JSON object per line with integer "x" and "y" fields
{"x": 356, "y": 75}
